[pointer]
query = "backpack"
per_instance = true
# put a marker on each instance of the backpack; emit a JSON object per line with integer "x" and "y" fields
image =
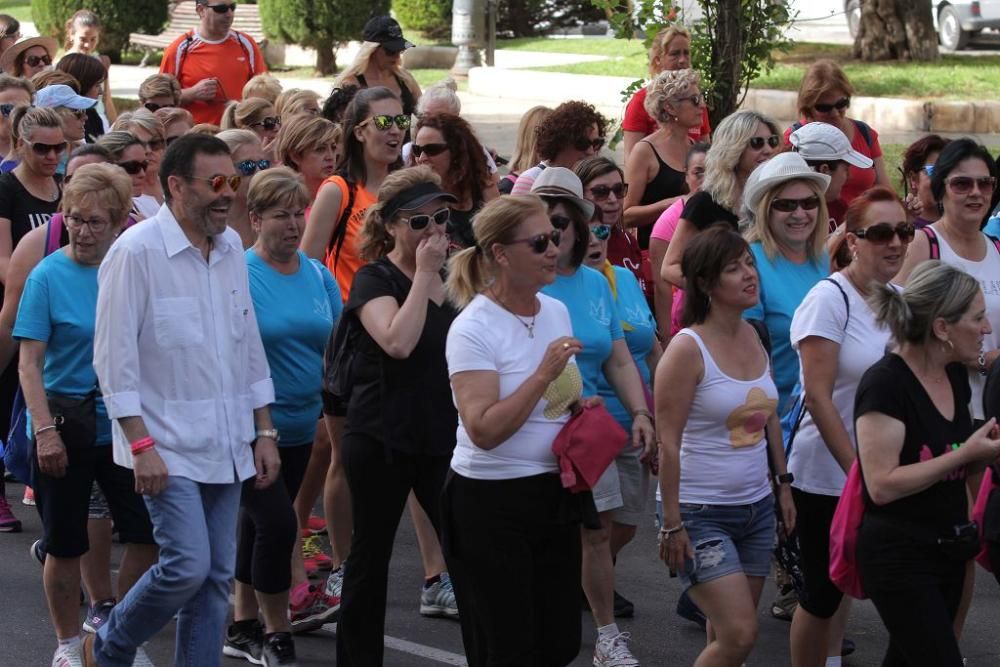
{"x": 935, "y": 246}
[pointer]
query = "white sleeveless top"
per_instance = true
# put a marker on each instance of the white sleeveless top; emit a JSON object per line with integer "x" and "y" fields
{"x": 987, "y": 272}
{"x": 723, "y": 457}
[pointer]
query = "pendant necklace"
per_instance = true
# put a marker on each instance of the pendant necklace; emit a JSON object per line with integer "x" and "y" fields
{"x": 529, "y": 326}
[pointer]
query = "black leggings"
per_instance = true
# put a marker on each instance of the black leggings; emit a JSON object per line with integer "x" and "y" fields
{"x": 267, "y": 525}
{"x": 380, "y": 483}
{"x": 814, "y": 515}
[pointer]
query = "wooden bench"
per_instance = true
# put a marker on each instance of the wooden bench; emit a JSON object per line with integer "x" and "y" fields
{"x": 184, "y": 18}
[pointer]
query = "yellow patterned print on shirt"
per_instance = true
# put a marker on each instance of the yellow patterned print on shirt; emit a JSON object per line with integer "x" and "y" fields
{"x": 563, "y": 392}
{"x": 746, "y": 423}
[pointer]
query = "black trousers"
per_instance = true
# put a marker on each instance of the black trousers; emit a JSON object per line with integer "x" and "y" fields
{"x": 267, "y": 525}
{"x": 506, "y": 535}
{"x": 380, "y": 482}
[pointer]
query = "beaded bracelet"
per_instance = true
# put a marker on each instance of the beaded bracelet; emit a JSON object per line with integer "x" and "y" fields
{"x": 142, "y": 444}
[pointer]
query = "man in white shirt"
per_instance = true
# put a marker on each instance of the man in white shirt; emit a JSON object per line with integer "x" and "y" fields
{"x": 186, "y": 383}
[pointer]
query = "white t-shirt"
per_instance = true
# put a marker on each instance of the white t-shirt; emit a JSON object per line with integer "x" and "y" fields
{"x": 485, "y": 337}
{"x": 862, "y": 343}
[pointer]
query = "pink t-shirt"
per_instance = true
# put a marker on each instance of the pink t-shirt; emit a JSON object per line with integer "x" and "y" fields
{"x": 663, "y": 229}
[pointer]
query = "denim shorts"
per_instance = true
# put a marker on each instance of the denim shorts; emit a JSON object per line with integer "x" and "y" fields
{"x": 728, "y": 539}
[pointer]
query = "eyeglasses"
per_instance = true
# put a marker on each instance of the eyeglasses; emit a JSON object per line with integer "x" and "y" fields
{"x": 153, "y": 107}
{"x": 269, "y": 123}
{"x": 539, "y": 243}
{"x": 219, "y": 181}
{"x": 96, "y": 224}
{"x": 883, "y": 232}
{"x": 840, "y": 105}
{"x": 45, "y": 149}
{"x": 35, "y": 61}
{"x": 222, "y": 9}
{"x": 430, "y": 149}
{"x": 7, "y": 109}
{"x": 133, "y": 167}
{"x": 693, "y": 99}
{"x": 962, "y": 185}
{"x": 251, "y": 167}
{"x": 788, "y": 205}
{"x": 602, "y": 192}
{"x": 383, "y": 122}
{"x": 560, "y": 222}
{"x": 757, "y": 143}
{"x": 600, "y": 231}
{"x": 584, "y": 144}
{"x": 421, "y": 220}
{"x": 929, "y": 170}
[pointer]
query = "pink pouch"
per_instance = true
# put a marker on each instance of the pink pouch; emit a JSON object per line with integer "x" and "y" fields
{"x": 979, "y": 515}
{"x": 847, "y": 518}
{"x": 586, "y": 446}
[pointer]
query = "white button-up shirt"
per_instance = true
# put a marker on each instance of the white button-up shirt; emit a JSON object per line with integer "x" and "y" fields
{"x": 177, "y": 343}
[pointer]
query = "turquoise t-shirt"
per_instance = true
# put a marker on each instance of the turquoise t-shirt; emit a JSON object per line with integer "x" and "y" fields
{"x": 783, "y": 286}
{"x": 295, "y": 314}
{"x": 59, "y": 307}
{"x": 587, "y": 296}
{"x": 633, "y": 309}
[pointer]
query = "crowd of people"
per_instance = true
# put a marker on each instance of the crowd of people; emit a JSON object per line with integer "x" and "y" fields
{"x": 236, "y": 301}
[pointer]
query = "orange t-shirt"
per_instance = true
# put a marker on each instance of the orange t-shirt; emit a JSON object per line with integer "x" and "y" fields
{"x": 233, "y": 61}
{"x": 346, "y": 264}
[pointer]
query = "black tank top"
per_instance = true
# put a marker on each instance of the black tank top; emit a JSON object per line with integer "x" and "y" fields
{"x": 667, "y": 183}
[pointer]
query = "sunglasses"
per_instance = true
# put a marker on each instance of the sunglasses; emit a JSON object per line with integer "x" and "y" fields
{"x": 539, "y": 243}
{"x": 963, "y": 185}
{"x": 602, "y": 192}
{"x": 430, "y": 149}
{"x": 7, "y": 109}
{"x": 840, "y": 104}
{"x": 222, "y": 9}
{"x": 251, "y": 167}
{"x": 383, "y": 122}
{"x": 929, "y": 170}
{"x": 560, "y": 222}
{"x": 883, "y": 232}
{"x": 788, "y": 205}
{"x": 696, "y": 100}
{"x": 35, "y": 61}
{"x": 757, "y": 143}
{"x": 584, "y": 144}
{"x": 218, "y": 182}
{"x": 133, "y": 167}
{"x": 45, "y": 149}
{"x": 421, "y": 220}
{"x": 79, "y": 114}
{"x": 269, "y": 123}
{"x": 601, "y": 231}
{"x": 96, "y": 224}
{"x": 156, "y": 144}
{"x": 153, "y": 107}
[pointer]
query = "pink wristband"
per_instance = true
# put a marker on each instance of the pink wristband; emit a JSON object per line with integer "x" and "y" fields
{"x": 142, "y": 445}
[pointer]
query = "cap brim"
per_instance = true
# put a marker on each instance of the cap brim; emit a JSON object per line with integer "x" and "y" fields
{"x": 858, "y": 160}
{"x": 426, "y": 199}
{"x": 586, "y": 207}
{"x": 397, "y": 45}
{"x": 79, "y": 103}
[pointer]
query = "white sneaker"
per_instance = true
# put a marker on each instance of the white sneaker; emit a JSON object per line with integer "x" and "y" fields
{"x": 141, "y": 659}
{"x": 614, "y": 652}
{"x": 68, "y": 656}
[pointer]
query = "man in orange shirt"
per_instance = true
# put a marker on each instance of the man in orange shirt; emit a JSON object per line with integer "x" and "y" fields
{"x": 213, "y": 62}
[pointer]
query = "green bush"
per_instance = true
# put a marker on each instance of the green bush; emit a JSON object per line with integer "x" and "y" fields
{"x": 430, "y": 17}
{"x": 119, "y": 17}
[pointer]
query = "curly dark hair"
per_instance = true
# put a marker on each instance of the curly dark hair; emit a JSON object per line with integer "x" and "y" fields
{"x": 336, "y": 104}
{"x": 467, "y": 170}
{"x": 568, "y": 122}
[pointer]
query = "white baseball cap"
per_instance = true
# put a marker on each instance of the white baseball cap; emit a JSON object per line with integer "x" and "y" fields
{"x": 822, "y": 141}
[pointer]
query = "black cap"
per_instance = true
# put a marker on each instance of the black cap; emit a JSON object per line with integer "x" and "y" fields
{"x": 386, "y": 31}
{"x": 413, "y": 198}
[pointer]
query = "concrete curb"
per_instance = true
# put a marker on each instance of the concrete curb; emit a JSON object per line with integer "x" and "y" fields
{"x": 885, "y": 114}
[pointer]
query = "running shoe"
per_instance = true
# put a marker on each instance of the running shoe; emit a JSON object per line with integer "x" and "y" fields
{"x": 29, "y": 497}
{"x": 438, "y": 598}
{"x": 623, "y": 607}
{"x": 279, "y": 649}
{"x": 68, "y": 656}
{"x": 8, "y": 522}
{"x": 783, "y": 607}
{"x": 335, "y": 585}
{"x": 245, "y": 640}
{"x": 97, "y": 614}
{"x": 313, "y": 556}
{"x": 614, "y": 652}
{"x": 310, "y": 609}
{"x": 316, "y": 525}
{"x": 37, "y": 552}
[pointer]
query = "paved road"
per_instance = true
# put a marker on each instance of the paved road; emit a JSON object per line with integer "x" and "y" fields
{"x": 660, "y": 637}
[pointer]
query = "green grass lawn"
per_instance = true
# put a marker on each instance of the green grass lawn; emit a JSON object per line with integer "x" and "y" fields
{"x": 19, "y": 9}
{"x": 893, "y": 156}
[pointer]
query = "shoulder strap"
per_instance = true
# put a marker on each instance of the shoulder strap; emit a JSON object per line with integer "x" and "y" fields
{"x": 796, "y": 125}
{"x": 340, "y": 230}
{"x": 53, "y": 236}
{"x": 932, "y": 240}
{"x": 865, "y": 130}
{"x": 847, "y": 302}
{"x": 996, "y": 241}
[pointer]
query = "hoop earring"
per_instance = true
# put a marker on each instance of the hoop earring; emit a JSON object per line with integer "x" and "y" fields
{"x": 951, "y": 346}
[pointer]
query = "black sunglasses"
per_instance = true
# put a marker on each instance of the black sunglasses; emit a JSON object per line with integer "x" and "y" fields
{"x": 421, "y": 220}
{"x": 757, "y": 143}
{"x": 45, "y": 149}
{"x": 133, "y": 167}
{"x": 539, "y": 243}
{"x": 35, "y": 61}
{"x": 584, "y": 144}
{"x": 430, "y": 149}
{"x": 810, "y": 203}
{"x": 251, "y": 167}
{"x": 222, "y": 9}
{"x": 269, "y": 123}
{"x": 154, "y": 107}
{"x": 602, "y": 192}
{"x": 560, "y": 222}
{"x": 883, "y": 232}
{"x": 840, "y": 104}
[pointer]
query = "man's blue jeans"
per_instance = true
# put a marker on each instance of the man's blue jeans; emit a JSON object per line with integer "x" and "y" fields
{"x": 195, "y": 526}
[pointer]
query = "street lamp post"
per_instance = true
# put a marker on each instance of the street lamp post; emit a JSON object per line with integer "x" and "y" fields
{"x": 468, "y": 33}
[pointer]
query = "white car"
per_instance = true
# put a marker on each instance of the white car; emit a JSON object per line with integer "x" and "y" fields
{"x": 956, "y": 21}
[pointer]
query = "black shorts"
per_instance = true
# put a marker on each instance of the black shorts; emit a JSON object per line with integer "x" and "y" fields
{"x": 813, "y": 516}
{"x": 63, "y": 502}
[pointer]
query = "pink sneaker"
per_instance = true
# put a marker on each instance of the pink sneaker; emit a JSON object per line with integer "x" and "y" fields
{"x": 8, "y": 522}
{"x": 310, "y": 609}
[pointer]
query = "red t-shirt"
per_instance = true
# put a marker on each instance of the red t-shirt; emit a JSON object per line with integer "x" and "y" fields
{"x": 858, "y": 180}
{"x": 233, "y": 61}
{"x": 637, "y": 120}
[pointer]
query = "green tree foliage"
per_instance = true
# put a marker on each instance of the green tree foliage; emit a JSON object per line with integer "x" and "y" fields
{"x": 119, "y": 17}
{"x": 430, "y": 17}
{"x": 319, "y": 24}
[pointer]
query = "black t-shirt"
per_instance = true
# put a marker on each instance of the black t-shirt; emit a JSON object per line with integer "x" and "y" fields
{"x": 890, "y": 387}
{"x": 405, "y": 403}
{"x": 24, "y": 210}
{"x": 702, "y": 211}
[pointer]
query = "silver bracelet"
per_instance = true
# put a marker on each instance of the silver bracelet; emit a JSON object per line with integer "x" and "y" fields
{"x": 43, "y": 429}
{"x": 667, "y": 532}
